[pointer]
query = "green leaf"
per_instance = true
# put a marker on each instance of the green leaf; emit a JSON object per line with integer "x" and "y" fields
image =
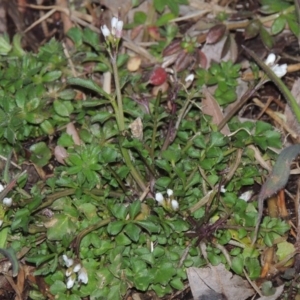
{"x": 39, "y": 259}
{"x": 266, "y": 37}
{"x": 75, "y": 34}
{"x": 149, "y": 226}
{"x": 10, "y": 254}
{"x": 164, "y": 19}
{"x": 159, "y": 5}
{"x": 164, "y": 273}
{"x": 91, "y": 37}
{"x": 134, "y": 209}
{"x": 21, "y": 219}
{"x": 51, "y": 76}
{"x": 133, "y": 231}
{"x": 278, "y": 24}
{"x": 237, "y": 264}
{"x": 115, "y": 227}
{"x": 119, "y": 211}
{"x": 139, "y": 17}
{"x": 63, "y": 108}
{"x": 58, "y": 287}
{"x": 61, "y": 225}
{"x": 177, "y": 284}
{"x": 88, "y": 84}
{"x": 40, "y": 154}
{"x": 101, "y": 117}
{"x": 32, "y": 104}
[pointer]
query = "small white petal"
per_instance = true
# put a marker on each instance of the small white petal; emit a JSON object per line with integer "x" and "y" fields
{"x": 159, "y": 197}
{"x": 105, "y": 31}
{"x": 169, "y": 192}
{"x": 71, "y": 281}
{"x": 270, "y": 59}
{"x": 1, "y": 222}
{"x": 83, "y": 276}
{"x": 175, "y": 204}
{"x": 68, "y": 261}
{"x": 280, "y": 70}
{"x": 246, "y": 196}
{"x": 119, "y": 28}
{"x": 190, "y": 77}
{"x": 69, "y": 272}
{"x": 7, "y": 202}
{"x": 114, "y": 22}
{"x": 76, "y": 268}
{"x": 222, "y": 189}
{"x": 1, "y": 187}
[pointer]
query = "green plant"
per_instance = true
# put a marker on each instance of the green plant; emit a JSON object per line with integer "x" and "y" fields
{"x": 130, "y": 210}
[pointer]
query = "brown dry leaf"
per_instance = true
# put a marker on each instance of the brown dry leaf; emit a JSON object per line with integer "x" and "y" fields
{"x": 137, "y": 128}
{"x": 211, "y": 107}
{"x": 215, "y": 282}
{"x": 117, "y": 6}
{"x": 214, "y": 52}
{"x": 290, "y": 116}
{"x": 71, "y": 130}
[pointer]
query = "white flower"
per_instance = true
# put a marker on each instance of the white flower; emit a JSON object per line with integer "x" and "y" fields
{"x": 175, "y": 204}
{"x": 159, "y": 198}
{"x": 71, "y": 281}
{"x": 69, "y": 272}
{"x": 83, "y": 276}
{"x": 68, "y": 261}
{"x": 189, "y": 78}
{"x": 270, "y": 59}
{"x": 105, "y": 31}
{"x": 1, "y": 187}
{"x": 116, "y": 27}
{"x": 7, "y": 202}
{"x": 169, "y": 192}
{"x": 279, "y": 70}
{"x": 1, "y": 222}
{"x": 222, "y": 189}
{"x": 76, "y": 268}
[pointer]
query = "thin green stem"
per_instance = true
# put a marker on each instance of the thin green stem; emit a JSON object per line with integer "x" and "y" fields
{"x": 121, "y": 124}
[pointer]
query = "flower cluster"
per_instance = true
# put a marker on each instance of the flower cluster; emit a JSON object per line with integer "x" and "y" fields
{"x": 74, "y": 268}
{"x": 114, "y": 35}
{"x": 279, "y": 70}
{"x": 6, "y": 201}
{"x": 168, "y": 203}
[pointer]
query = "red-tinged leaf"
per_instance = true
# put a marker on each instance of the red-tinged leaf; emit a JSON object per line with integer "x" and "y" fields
{"x": 136, "y": 31}
{"x": 183, "y": 61}
{"x": 158, "y": 76}
{"x": 201, "y": 59}
{"x": 173, "y": 48}
{"x": 154, "y": 32}
{"x": 215, "y": 33}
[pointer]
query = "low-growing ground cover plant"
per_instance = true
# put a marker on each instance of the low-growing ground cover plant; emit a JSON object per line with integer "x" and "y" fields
{"x": 143, "y": 185}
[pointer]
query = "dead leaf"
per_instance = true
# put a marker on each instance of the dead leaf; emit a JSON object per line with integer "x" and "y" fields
{"x": 118, "y": 7}
{"x": 137, "y": 128}
{"x": 211, "y": 107}
{"x": 217, "y": 283}
{"x": 290, "y": 116}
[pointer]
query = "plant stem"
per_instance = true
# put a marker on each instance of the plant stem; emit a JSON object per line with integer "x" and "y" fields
{"x": 121, "y": 124}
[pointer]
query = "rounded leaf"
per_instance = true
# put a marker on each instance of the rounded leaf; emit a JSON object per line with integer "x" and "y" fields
{"x": 216, "y": 33}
